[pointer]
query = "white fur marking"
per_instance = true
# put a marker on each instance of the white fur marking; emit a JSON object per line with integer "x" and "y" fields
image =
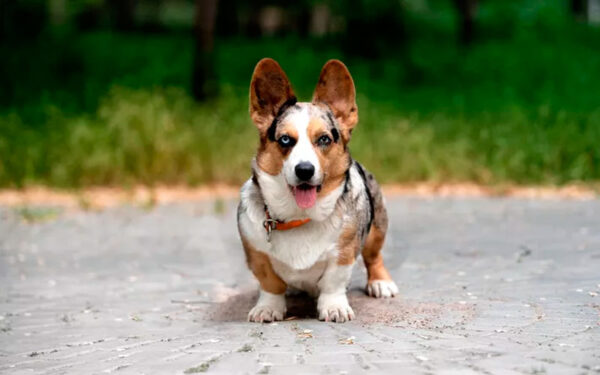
{"x": 305, "y": 279}
{"x": 281, "y": 202}
{"x": 335, "y": 278}
{"x": 332, "y": 304}
{"x": 334, "y": 308}
{"x": 303, "y": 151}
{"x": 299, "y": 248}
{"x": 382, "y": 289}
{"x": 269, "y": 308}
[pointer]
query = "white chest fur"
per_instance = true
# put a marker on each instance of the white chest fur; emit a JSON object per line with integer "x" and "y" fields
{"x": 305, "y": 280}
{"x": 302, "y": 247}
{"x": 298, "y": 248}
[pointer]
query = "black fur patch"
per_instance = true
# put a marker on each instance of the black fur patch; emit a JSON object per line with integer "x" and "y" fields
{"x": 335, "y": 134}
{"x": 371, "y": 205}
{"x": 347, "y": 182}
{"x": 334, "y": 131}
{"x": 289, "y": 103}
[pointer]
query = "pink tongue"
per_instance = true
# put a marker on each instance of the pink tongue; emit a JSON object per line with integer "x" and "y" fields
{"x": 305, "y": 198}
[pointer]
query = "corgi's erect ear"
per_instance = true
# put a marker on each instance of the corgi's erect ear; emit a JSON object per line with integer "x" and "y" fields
{"x": 336, "y": 89}
{"x": 270, "y": 89}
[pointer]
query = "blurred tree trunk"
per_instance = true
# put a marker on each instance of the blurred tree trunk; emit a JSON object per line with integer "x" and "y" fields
{"x": 3, "y": 16}
{"x": 121, "y": 14}
{"x": 228, "y": 23}
{"x": 467, "y": 9}
{"x": 21, "y": 20}
{"x": 373, "y": 31}
{"x": 579, "y": 8}
{"x": 204, "y": 83}
{"x": 302, "y": 17}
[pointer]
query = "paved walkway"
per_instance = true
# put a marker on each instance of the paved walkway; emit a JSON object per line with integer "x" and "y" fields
{"x": 488, "y": 286}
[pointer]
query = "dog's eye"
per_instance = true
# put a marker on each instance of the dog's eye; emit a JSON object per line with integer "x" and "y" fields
{"x": 324, "y": 140}
{"x": 285, "y": 141}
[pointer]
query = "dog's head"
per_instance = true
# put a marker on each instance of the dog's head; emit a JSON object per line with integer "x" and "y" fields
{"x": 305, "y": 144}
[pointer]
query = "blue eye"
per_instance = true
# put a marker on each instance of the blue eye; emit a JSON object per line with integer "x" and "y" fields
{"x": 285, "y": 141}
{"x": 324, "y": 140}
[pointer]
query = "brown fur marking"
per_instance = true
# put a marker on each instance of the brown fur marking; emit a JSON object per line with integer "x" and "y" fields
{"x": 260, "y": 265}
{"x": 270, "y": 155}
{"x": 269, "y": 89}
{"x": 372, "y": 255}
{"x": 349, "y": 245}
{"x": 336, "y": 89}
{"x": 334, "y": 159}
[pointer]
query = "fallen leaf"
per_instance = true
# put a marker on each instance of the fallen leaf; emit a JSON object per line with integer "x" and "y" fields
{"x": 348, "y": 341}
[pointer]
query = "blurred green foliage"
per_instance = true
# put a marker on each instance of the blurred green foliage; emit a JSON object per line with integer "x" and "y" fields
{"x": 520, "y": 105}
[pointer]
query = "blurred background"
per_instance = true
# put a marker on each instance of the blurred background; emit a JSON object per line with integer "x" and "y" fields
{"x": 127, "y": 92}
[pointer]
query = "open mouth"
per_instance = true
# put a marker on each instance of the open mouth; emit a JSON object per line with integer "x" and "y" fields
{"x": 305, "y": 195}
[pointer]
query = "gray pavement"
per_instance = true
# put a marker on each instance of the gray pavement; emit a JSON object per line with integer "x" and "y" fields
{"x": 488, "y": 286}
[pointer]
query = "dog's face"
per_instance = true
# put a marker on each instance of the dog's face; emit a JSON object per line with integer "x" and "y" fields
{"x": 305, "y": 143}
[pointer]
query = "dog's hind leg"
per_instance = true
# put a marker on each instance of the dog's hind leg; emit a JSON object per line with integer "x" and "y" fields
{"x": 380, "y": 283}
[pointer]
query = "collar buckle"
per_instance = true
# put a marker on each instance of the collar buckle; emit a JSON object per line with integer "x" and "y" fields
{"x": 270, "y": 225}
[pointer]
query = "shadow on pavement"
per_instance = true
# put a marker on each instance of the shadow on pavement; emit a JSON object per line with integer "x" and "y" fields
{"x": 396, "y": 311}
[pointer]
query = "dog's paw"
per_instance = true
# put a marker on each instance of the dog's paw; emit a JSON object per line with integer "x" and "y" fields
{"x": 382, "y": 288}
{"x": 336, "y": 313}
{"x": 334, "y": 308}
{"x": 269, "y": 308}
{"x": 265, "y": 313}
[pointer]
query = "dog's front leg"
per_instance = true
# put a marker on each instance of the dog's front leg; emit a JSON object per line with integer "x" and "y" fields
{"x": 269, "y": 308}
{"x": 271, "y": 301}
{"x": 332, "y": 304}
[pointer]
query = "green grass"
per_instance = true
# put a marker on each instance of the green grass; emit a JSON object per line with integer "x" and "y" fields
{"x": 108, "y": 109}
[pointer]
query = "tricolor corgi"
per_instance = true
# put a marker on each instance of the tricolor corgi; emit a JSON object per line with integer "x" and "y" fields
{"x": 309, "y": 209}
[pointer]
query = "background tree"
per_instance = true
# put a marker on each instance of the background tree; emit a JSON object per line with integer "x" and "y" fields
{"x": 203, "y": 77}
{"x": 467, "y": 10}
{"x": 579, "y": 9}
{"x": 374, "y": 28}
{"x": 3, "y": 15}
{"x": 121, "y": 14}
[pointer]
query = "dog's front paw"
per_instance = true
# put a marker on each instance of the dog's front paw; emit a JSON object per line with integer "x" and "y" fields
{"x": 265, "y": 313}
{"x": 336, "y": 313}
{"x": 382, "y": 288}
{"x": 269, "y": 308}
{"x": 334, "y": 308}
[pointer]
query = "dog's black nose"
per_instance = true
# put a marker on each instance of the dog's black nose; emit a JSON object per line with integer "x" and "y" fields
{"x": 304, "y": 171}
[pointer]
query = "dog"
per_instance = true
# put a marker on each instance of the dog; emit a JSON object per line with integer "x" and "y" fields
{"x": 309, "y": 209}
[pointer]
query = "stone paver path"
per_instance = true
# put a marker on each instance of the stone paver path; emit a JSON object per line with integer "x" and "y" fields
{"x": 488, "y": 286}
